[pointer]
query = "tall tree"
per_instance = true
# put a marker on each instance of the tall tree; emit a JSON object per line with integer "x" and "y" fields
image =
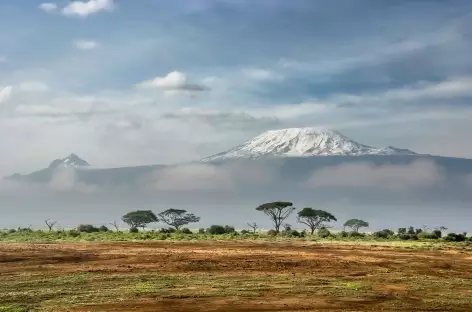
{"x": 139, "y": 218}
{"x": 277, "y": 212}
{"x": 177, "y": 218}
{"x": 355, "y": 224}
{"x": 314, "y": 219}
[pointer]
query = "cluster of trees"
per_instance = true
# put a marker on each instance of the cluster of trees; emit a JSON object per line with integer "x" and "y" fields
{"x": 314, "y": 219}
{"x": 175, "y": 218}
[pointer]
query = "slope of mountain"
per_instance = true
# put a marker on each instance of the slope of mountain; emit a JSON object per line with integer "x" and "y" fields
{"x": 303, "y": 142}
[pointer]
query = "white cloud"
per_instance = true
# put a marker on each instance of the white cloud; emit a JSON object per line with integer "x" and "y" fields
{"x": 33, "y": 86}
{"x": 85, "y": 44}
{"x": 5, "y": 93}
{"x": 173, "y": 81}
{"x": 262, "y": 74}
{"x": 447, "y": 89}
{"x": 48, "y": 7}
{"x": 366, "y": 175}
{"x": 85, "y": 8}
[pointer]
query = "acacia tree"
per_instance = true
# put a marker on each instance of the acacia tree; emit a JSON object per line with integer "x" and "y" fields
{"x": 139, "y": 218}
{"x": 314, "y": 219}
{"x": 253, "y": 226}
{"x": 115, "y": 225}
{"x": 277, "y": 212}
{"x": 50, "y": 224}
{"x": 177, "y": 218}
{"x": 355, "y": 224}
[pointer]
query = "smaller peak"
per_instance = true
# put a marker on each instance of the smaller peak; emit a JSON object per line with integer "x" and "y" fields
{"x": 70, "y": 161}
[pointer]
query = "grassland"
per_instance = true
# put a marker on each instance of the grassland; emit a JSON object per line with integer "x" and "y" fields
{"x": 233, "y": 274}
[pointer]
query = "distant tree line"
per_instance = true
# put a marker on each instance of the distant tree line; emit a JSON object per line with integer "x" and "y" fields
{"x": 315, "y": 220}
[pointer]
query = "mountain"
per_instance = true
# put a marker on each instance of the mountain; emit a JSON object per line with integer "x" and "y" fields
{"x": 45, "y": 175}
{"x": 70, "y": 161}
{"x": 303, "y": 142}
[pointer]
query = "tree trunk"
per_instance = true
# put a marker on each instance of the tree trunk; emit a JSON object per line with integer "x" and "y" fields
{"x": 312, "y": 231}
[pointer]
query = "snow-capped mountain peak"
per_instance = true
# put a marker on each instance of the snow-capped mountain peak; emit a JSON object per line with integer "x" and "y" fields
{"x": 72, "y": 160}
{"x": 303, "y": 142}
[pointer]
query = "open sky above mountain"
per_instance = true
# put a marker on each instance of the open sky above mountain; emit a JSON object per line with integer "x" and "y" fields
{"x": 145, "y": 82}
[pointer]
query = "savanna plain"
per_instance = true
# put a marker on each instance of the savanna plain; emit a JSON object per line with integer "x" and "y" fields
{"x": 235, "y": 274}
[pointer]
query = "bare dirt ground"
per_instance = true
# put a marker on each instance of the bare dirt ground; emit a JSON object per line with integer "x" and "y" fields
{"x": 232, "y": 276}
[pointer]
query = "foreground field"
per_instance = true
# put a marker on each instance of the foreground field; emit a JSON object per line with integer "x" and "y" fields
{"x": 232, "y": 276}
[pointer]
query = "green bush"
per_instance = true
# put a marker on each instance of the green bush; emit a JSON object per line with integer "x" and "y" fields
{"x": 186, "y": 231}
{"x": 216, "y": 230}
{"x": 453, "y": 237}
{"x": 133, "y": 230}
{"x": 245, "y": 232}
{"x": 167, "y": 230}
{"x": 11, "y": 231}
{"x": 437, "y": 233}
{"x": 87, "y": 228}
{"x": 354, "y": 234}
{"x": 229, "y": 229}
{"x": 272, "y": 232}
{"x": 201, "y": 231}
{"x": 103, "y": 229}
{"x": 323, "y": 233}
{"x": 343, "y": 234}
{"x": 381, "y": 234}
{"x": 74, "y": 233}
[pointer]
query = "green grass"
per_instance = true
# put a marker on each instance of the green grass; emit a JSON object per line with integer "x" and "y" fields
{"x": 67, "y": 236}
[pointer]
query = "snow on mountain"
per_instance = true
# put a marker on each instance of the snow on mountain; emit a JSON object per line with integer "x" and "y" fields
{"x": 303, "y": 142}
{"x": 72, "y": 160}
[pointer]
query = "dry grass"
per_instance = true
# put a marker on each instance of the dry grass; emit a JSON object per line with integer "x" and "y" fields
{"x": 232, "y": 276}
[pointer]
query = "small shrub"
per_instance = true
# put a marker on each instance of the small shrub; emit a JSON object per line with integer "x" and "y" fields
{"x": 103, "y": 229}
{"x": 404, "y": 236}
{"x": 11, "y": 231}
{"x": 323, "y": 233}
{"x": 381, "y": 234}
{"x": 74, "y": 233}
{"x": 87, "y": 228}
{"x": 229, "y": 229}
{"x": 303, "y": 233}
{"x": 245, "y": 232}
{"x": 427, "y": 235}
{"x": 295, "y": 233}
{"x": 186, "y": 231}
{"x": 216, "y": 230}
{"x": 133, "y": 230}
{"x": 167, "y": 230}
{"x": 201, "y": 231}
{"x": 354, "y": 234}
{"x": 402, "y": 231}
{"x": 343, "y": 234}
{"x": 272, "y": 232}
{"x": 437, "y": 233}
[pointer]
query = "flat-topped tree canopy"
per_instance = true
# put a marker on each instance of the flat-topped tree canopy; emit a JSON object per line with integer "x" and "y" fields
{"x": 177, "y": 218}
{"x": 277, "y": 211}
{"x": 314, "y": 218}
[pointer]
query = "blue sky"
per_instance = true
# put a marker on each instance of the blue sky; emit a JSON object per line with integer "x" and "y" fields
{"x": 138, "y": 82}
